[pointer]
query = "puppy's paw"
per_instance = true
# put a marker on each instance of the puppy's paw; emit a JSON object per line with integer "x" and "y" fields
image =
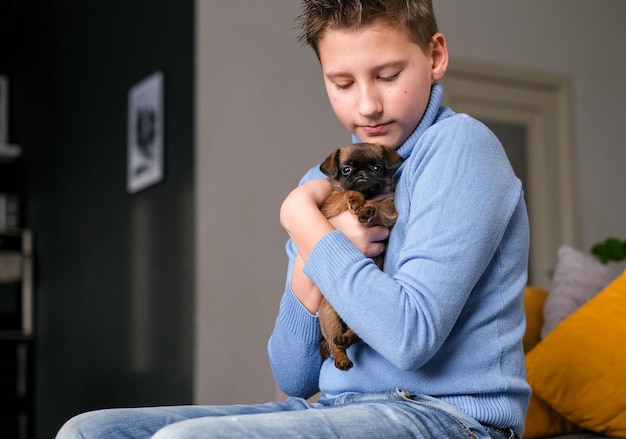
{"x": 355, "y": 201}
{"x": 367, "y": 213}
{"x": 343, "y": 363}
{"x": 342, "y": 342}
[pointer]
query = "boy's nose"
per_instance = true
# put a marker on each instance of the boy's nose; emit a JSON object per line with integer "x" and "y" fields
{"x": 370, "y": 105}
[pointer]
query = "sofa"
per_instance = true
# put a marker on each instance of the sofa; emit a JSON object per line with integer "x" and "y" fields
{"x": 575, "y": 345}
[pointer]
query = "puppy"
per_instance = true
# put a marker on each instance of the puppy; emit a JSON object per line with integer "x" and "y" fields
{"x": 358, "y": 173}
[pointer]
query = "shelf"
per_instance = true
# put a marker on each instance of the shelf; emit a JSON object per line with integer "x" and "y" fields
{"x": 9, "y": 152}
{"x": 16, "y": 286}
{"x": 15, "y": 336}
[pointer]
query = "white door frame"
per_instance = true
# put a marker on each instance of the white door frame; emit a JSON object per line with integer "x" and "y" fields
{"x": 541, "y": 103}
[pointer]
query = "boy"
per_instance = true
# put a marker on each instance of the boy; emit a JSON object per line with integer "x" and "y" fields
{"x": 441, "y": 326}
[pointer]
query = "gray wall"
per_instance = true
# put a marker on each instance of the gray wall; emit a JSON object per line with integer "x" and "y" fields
{"x": 114, "y": 272}
{"x": 263, "y": 119}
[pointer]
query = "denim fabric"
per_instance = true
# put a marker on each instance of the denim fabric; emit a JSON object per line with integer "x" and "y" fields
{"x": 386, "y": 415}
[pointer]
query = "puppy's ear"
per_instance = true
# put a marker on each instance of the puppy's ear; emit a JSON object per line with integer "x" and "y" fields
{"x": 393, "y": 160}
{"x": 330, "y": 166}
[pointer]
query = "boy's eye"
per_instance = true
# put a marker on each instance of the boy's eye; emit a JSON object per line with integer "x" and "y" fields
{"x": 346, "y": 170}
{"x": 390, "y": 78}
{"x": 343, "y": 86}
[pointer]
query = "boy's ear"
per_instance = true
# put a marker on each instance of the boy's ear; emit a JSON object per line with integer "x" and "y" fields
{"x": 330, "y": 166}
{"x": 439, "y": 56}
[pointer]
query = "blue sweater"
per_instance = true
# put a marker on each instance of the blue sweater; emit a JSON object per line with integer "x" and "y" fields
{"x": 446, "y": 317}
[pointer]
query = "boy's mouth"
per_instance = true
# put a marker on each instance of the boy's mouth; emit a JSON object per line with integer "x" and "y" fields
{"x": 376, "y": 130}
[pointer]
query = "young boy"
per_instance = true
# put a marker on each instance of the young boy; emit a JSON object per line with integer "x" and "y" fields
{"x": 441, "y": 327}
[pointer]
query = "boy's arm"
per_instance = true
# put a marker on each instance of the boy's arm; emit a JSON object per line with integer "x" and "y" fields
{"x": 454, "y": 211}
{"x": 300, "y": 210}
{"x": 306, "y": 225}
{"x": 305, "y": 290}
{"x": 294, "y": 345}
{"x": 301, "y": 217}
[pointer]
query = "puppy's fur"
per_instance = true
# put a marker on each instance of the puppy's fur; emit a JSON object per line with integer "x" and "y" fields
{"x": 358, "y": 173}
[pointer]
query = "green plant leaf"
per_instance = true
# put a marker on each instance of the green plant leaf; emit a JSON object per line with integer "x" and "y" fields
{"x": 612, "y": 249}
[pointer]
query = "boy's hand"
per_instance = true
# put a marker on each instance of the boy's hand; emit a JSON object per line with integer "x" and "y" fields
{"x": 301, "y": 218}
{"x": 306, "y": 225}
{"x": 370, "y": 240}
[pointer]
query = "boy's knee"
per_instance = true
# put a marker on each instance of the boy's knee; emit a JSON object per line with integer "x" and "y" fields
{"x": 75, "y": 428}
{"x": 194, "y": 429}
{"x": 169, "y": 432}
{"x": 92, "y": 425}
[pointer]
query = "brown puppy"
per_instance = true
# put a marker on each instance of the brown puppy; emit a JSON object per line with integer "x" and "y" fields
{"x": 358, "y": 173}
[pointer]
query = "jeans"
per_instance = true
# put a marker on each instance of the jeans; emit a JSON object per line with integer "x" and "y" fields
{"x": 387, "y": 415}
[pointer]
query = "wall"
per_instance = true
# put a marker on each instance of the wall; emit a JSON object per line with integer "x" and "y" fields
{"x": 262, "y": 120}
{"x": 114, "y": 272}
{"x": 579, "y": 39}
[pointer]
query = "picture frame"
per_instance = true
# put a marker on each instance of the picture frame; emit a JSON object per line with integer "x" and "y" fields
{"x": 145, "y": 133}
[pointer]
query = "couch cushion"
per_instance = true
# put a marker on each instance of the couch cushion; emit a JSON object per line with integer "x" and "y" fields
{"x": 543, "y": 421}
{"x": 578, "y": 436}
{"x": 579, "y": 369}
{"x": 577, "y": 278}
{"x": 534, "y": 299}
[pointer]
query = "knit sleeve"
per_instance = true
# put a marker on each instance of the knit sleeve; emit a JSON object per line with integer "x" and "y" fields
{"x": 293, "y": 347}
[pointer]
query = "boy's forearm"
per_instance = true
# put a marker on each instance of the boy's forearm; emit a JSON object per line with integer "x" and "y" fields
{"x": 301, "y": 218}
{"x": 305, "y": 290}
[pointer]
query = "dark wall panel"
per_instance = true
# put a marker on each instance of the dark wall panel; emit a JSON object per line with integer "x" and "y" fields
{"x": 114, "y": 271}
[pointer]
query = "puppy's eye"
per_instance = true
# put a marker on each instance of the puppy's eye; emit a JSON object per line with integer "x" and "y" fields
{"x": 378, "y": 169}
{"x": 346, "y": 170}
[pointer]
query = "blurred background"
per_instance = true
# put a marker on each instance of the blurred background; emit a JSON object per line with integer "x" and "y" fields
{"x": 168, "y": 295}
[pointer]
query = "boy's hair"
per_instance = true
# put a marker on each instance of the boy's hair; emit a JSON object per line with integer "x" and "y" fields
{"x": 416, "y": 17}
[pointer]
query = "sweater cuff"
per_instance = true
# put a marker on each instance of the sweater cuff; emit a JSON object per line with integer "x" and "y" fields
{"x": 298, "y": 320}
{"x": 330, "y": 258}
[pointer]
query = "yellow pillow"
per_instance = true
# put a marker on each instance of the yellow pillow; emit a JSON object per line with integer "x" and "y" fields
{"x": 542, "y": 421}
{"x": 579, "y": 369}
{"x": 534, "y": 298}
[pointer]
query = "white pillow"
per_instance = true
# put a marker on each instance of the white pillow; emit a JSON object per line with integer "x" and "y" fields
{"x": 578, "y": 277}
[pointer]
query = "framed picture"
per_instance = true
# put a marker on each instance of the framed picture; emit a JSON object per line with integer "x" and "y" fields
{"x": 4, "y": 110}
{"x": 145, "y": 133}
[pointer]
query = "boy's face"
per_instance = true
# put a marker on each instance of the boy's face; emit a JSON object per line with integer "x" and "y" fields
{"x": 378, "y": 81}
